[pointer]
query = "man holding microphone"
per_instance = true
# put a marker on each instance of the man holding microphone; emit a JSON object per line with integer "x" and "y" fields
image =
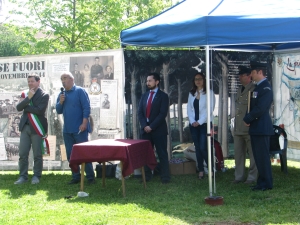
{"x": 73, "y": 102}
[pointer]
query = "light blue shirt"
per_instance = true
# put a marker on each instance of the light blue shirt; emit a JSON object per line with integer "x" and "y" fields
{"x": 259, "y": 82}
{"x": 155, "y": 91}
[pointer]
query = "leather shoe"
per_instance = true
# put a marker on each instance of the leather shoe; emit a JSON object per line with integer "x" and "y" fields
{"x": 147, "y": 180}
{"x": 165, "y": 181}
{"x": 257, "y": 188}
{"x": 236, "y": 181}
{"x": 21, "y": 180}
{"x": 249, "y": 181}
{"x": 74, "y": 181}
{"x": 35, "y": 180}
{"x": 92, "y": 181}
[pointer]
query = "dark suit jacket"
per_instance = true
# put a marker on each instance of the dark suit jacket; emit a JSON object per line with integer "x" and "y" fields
{"x": 259, "y": 115}
{"x": 40, "y": 102}
{"x": 109, "y": 76}
{"x": 158, "y": 113}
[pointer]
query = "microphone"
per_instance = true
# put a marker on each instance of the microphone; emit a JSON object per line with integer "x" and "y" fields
{"x": 62, "y": 90}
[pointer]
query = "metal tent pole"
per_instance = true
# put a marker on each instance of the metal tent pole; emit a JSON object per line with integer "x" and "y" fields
{"x": 211, "y": 200}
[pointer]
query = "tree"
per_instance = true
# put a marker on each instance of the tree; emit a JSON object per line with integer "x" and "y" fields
{"x": 81, "y": 25}
{"x": 9, "y": 42}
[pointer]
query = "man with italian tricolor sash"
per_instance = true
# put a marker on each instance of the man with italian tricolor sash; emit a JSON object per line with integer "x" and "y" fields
{"x": 33, "y": 126}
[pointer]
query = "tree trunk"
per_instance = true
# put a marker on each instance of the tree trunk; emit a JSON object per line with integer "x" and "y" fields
{"x": 135, "y": 123}
{"x": 129, "y": 124}
{"x": 174, "y": 115}
{"x": 179, "y": 111}
{"x": 165, "y": 73}
{"x": 225, "y": 114}
{"x": 143, "y": 80}
{"x": 223, "y": 60}
{"x": 220, "y": 112}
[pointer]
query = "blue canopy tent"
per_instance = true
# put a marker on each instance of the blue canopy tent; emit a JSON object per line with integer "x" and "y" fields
{"x": 251, "y": 25}
{"x": 233, "y": 24}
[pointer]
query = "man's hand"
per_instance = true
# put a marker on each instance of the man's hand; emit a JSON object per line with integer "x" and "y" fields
{"x": 62, "y": 98}
{"x": 195, "y": 124}
{"x": 31, "y": 93}
{"x": 246, "y": 124}
{"x": 83, "y": 126}
{"x": 147, "y": 129}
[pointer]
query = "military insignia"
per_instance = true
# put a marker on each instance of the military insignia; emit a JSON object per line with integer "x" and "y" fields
{"x": 95, "y": 88}
{"x": 254, "y": 94}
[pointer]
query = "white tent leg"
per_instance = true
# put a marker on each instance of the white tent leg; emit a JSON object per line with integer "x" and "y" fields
{"x": 208, "y": 120}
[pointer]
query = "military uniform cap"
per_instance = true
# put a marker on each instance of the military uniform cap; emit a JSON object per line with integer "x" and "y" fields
{"x": 257, "y": 65}
{"x": 244, "y": 70}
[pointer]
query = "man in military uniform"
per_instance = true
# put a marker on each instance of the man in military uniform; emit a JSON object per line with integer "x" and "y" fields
{"x": 242, "y": 142}
{"x": 260, "y": 125}
{"x": 97, "y": 70}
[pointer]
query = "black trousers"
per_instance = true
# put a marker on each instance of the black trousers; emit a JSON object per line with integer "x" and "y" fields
{"x": 160, "y": 144}
{"x": 260, "y": 148}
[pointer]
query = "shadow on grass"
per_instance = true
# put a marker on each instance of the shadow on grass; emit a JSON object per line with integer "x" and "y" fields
{"x": 183, "y": 197}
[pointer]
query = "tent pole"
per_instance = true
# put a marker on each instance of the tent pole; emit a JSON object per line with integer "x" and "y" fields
{"x": 211, "y": 200}
{"x": 208, "y": 120}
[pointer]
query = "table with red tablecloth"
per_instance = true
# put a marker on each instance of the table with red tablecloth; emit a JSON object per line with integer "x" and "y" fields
{"x": 133, "y": 154}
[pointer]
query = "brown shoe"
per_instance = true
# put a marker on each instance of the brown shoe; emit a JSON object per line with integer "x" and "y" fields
{"x": 236, "y": 181}
{"x": 249, "y": 182}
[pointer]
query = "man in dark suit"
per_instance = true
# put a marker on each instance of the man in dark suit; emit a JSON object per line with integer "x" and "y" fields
{"x": 260, "y": 125}
{"x": 153, "y": 124}
{"x": 78, "y": 76}
{"x": 110, "y": 74}
{"x": 33, "y": 104}
{"x": 105, "y": 103}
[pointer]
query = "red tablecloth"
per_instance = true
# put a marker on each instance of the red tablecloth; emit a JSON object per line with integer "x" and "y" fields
{"x": 133, "y": 153}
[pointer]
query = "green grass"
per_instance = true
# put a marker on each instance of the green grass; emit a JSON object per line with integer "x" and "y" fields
{"x": 180, "y": 202}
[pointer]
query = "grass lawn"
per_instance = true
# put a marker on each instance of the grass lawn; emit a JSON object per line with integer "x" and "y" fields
{"x": 180, "y": 202}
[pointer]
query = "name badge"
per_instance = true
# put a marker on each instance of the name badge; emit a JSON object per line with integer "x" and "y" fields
{"x": 254, "y": 94}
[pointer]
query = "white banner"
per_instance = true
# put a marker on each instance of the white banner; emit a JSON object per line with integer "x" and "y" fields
{"x": 91, "y": 70}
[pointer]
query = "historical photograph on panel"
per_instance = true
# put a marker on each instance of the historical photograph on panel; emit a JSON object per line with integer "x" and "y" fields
{"x": 13, "y": 125}
{"x": 109, "y": 109}
{"x": 3, "y": 155}
{"x": 91, "y": 70}
{"x": 8, "y": 103}
{"x": 12, "y": 149}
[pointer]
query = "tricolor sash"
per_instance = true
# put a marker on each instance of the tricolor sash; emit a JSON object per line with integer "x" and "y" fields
{"x": 36, "y": 124}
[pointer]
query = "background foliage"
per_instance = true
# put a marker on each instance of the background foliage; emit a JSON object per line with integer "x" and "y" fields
{"x": 51, "y": 26}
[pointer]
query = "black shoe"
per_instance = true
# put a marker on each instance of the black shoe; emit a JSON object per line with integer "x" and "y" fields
{"x": 236, "y": 181}
{"x": 165, "y": 181}
{"x": 92, "y": 181}
{"x": 257, "y": 188}
{"x": 147, "y": 180}
{"x": 74, "y": 181}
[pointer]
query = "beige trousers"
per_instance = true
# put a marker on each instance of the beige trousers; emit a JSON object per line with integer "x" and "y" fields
{"x": 242, "y": 146}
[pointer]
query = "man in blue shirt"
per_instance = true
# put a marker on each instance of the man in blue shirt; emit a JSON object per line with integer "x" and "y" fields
{"x": 74, "y": 104}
